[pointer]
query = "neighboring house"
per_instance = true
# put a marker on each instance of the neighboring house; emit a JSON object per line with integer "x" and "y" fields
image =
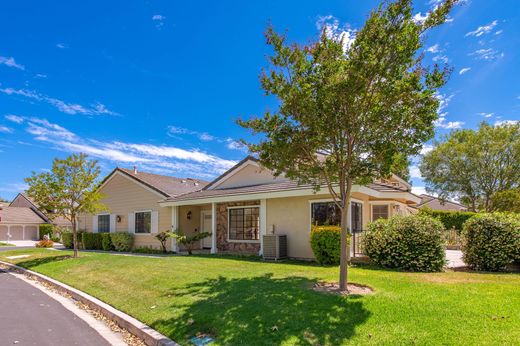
{"x": 132, "y": 198}
{"x": 438, "y": 204}
{"x": 22, "y": 200}
{"x": 237, "y": 208}
{"x": 19, "y": 223}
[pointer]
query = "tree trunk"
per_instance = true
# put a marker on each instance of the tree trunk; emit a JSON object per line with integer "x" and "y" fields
{"x": 75, "y": 237}
{"x": 345, "y": 234}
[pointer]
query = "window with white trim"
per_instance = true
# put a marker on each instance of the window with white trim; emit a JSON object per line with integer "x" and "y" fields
{"x": 103, "y": 223}
{"x": 244, "y": 223}
{"x": 325, "y": 214}
{"x": 379, "y": 211}
{"x": 143, "y": 222}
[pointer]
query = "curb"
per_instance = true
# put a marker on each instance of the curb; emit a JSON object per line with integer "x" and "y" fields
{"x": 150, "y": 336}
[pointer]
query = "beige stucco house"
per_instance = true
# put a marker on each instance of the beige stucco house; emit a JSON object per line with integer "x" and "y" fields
{"x": 239, "y": 207}
{"x": 19, "y": 223}
{"x": 22, "y": 200}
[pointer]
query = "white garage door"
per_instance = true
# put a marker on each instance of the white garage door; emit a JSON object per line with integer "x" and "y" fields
{"x": 3, "y": 233}
{"x": 18, "y": 233}
{"x": 31, "y": 233}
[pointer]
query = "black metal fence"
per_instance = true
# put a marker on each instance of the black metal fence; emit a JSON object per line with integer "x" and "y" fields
{"x": 357, "y": 243}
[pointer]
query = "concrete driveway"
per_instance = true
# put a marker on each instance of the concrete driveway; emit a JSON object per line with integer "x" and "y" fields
{"x": 29, "y": 316}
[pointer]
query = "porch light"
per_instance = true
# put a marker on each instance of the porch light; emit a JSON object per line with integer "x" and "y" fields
{"x": 188, "y": 215}
{"x": 118, "y": 218}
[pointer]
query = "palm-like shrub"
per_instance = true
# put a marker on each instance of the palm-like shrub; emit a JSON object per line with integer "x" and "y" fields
{"x": 413, "y": 243}
{"x": 189, "y": 240}
{"x": 491, "y": 241}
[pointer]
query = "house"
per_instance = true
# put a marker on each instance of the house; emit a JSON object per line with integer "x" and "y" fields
{"x": 19, "y": 223}
{"x": 132, "y": 198}
{"x": 241, "y": 205}
{"x": 439, "y": 204}
{"x": 22, "y": 200}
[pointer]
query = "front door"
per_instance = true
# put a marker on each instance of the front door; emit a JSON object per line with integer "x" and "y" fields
{"x": 206, "y": 227}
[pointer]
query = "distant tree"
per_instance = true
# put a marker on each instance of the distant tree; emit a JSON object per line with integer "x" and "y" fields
{"x": 344, "y": 114}
{"x": 474, "y": 165}
{"x": 69, "y": 189}
{"x": 506, "y": 201}
{"x": 3, "y": 200}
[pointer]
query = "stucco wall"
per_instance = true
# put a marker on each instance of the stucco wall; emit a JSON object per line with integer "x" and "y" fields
{"x": 250, "y": 175}
{"x": 123, "y": 196}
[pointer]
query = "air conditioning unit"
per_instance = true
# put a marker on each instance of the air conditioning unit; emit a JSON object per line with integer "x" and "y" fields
{"x": 275, "y": 246}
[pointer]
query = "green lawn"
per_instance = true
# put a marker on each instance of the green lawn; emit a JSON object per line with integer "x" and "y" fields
{"x": 241, "y": 301}
{"x": 5, "y": 244}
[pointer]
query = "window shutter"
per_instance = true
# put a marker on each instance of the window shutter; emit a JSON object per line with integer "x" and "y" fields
{"x": 155, "y": 222}
{"x": 95, "y": 223}
{"x": 131, "y": 223}
{"x": 112, "y": 223}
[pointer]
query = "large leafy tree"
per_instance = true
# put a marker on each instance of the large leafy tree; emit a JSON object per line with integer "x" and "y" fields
{"x": 474, "y": 165}
{"x": 345, "y": 113}
{"x": 68, "y": 189}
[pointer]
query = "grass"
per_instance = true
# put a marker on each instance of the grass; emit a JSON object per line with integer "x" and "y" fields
{"x": 5, "y": 244}
{"x": 249, "y": 302}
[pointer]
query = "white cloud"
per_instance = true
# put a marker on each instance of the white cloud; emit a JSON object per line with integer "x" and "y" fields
{"x": 14, "y": 118}
{"x": 68, "y": 108}
{"x": 175, "y": 131}
{"x": 499, "y": 32}
{"x": 206, "y": 137}
{"x": 61, "y": 45}
{"x": 464, "y": 70}
{"x": 481, "y": 30}
{"x": 487, "y": 54}
{"x": 333, "y": 30}
{"x": 434, "y": 49}
{"x": 443, "y": 101}
{"x": 419, "y": 18}
{"x": 506, "y": 122}
{"x": 9, "y": 61}
{"x": 450, "y": 125}
{"x": 159, "y": 20}
{"x": 5, "y": 129}
{"x": 486, "y": 115}
{"x": 419, "y": 190}
{"x": 426, "y": 149}
{"x": 40, "y": 75}
{"x": 415, "y": 172}
{"x": 442, "y": 58}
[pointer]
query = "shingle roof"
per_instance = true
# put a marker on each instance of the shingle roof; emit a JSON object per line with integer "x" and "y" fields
{"x": 19, "y": 215}
{"x": 271, "y": 187}
{"x": 167, "y": 185}
{"x": 438, "y": 204}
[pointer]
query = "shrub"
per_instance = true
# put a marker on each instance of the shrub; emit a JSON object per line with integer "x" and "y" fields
{"x": 325, "y": 244}
{"x": 46, "y": 229}
{"x": 91, "y": 241}
{"x": 491, "y": 241}
{"x": 450, "y": 219}
{"x": 149, "y": 250}
{"x": 412, "y": 243}
{"x": 106, "y": 242}
{"x": 122, "y": 241}
{"x": 45, "y": 244}
{"x": 67, "y": 237}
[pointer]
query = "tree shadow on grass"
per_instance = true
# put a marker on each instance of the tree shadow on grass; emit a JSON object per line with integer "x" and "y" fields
{"x": 263, "y": 310}
{"x": 35, "y": 262}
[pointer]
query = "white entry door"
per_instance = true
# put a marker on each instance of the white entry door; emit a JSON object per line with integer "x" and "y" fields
{"x": 206, "y": 227}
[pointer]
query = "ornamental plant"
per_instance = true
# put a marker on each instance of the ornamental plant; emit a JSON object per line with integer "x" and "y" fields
{"x": 491, "y": 241}
{"x": 325, "y": 244}
{"x": 413, "y": 243}
{"x": 189, "y": 240}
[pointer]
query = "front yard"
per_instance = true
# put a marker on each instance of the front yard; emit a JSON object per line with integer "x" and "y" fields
{"x": 249, "y": 302}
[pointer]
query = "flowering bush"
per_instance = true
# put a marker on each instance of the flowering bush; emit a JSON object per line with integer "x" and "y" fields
{"x": 45, "y": 243}
{"x": 412, "y": 243}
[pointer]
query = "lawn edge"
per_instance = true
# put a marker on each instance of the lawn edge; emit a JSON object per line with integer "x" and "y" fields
{"x": 149, "y": 335}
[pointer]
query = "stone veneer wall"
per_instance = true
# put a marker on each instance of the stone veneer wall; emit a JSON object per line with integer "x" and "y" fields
{"x": 222, "y": 231}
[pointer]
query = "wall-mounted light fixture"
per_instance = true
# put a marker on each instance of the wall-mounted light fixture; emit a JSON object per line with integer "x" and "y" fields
{"x": 188, "y": 215}
{"x": 118, "y": 218}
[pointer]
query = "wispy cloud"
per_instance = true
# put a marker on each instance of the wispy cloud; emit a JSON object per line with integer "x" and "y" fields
{"x": 442, "y": 58}
{"x": 159, "y": 20}
{"x": 61, "y": 45}
{"x": 488, "y": 54}
{"x": 486, "y": 115}
{"x": 334, "y": 30}
{"x": 482, "y": 30}
{"x": 155, "y": 158}
{"x": 434, "y": 49}
{"x": 420, "y": 18}
{"x": 232, "y": 144}
{"x": 426, "y": 149}
{"x": 62, "y": 106}
{"x": 9, "y": 61}
{"x": 419, "y": 190}
{"x": 5, "y": 129}
{"x": 14, "y": 118}
{"x": 415, "y": 172}
{"x": 464, "y": 70}
{"x": 449, "y": 125}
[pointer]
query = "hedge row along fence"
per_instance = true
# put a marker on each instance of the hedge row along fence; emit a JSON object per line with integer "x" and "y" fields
{"x": 450, "y": 219}
{"x": 122, "y": 242}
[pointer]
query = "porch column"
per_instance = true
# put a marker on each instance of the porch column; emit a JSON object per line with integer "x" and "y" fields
{"x": 263, "y": 224}
{"x": 213, "y": 227}
{"x": 175, "y": 226}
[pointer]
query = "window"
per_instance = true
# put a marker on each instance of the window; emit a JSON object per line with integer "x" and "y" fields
{"x": 325, "y": 214}
{"x": 379, "y": 212}
{"x": 103, "y": 223}
{"x": 244, "y": 223}
{"x": 143, "y": 222}
{"x": 328, "y": 214}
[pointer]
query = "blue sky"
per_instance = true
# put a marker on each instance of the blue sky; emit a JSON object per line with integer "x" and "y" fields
{"x": 158, "y": 84}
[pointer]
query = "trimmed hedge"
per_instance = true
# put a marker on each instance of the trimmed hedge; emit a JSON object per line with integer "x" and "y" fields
{"x": 122, "y": 241}
{"x": 91, "y": 241}
{"x": 491, "y": 241}
{"x": 46, "y": 229}
{"x": 450, "y": 219}
{"x": 413, "y": 243}
{"x": 106, "y": 242}
{"x": 67, "y": 237}
{"x": 325, "y": 244}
